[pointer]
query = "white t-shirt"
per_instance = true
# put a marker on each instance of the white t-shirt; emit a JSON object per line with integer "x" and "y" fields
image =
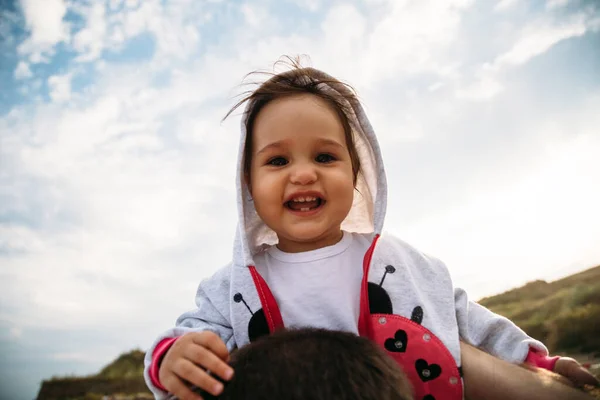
{"x": 318, "y": 288}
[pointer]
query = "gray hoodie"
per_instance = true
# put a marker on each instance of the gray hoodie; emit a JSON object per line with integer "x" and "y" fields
{"x": 408, "y": 303}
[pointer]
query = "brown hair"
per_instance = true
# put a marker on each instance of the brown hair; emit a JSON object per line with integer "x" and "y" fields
{"x": 314, "y": 364}
{"x": 299, "y": 80}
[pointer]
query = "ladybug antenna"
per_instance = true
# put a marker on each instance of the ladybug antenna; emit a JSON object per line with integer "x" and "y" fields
{"x": 239, "y": 298}
{"x": 388, "y": 270}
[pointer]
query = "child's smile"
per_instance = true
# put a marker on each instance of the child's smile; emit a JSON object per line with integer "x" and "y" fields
{"x": 305, "y": 204}
{"x": 301, "y": 176}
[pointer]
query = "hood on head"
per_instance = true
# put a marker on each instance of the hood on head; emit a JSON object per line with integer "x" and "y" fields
{"x": 368, "y": 208}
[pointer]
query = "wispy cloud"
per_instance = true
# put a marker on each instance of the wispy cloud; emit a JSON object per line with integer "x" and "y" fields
{"x": 89, "y": 41}
{"x": 504, "y": 5}
{"x": 59, "y": 87}
{"x": 22, "y": 71}
{"x": 534, "y": 39}
{"x": 537, "y": 38}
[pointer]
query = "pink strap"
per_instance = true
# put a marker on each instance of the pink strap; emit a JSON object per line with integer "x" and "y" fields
{"x": 159, "y": 352}
{"x": 541, "y": 361}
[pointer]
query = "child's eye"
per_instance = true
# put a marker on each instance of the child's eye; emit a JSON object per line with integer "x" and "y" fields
{"x": 324, "y": 158}
{"x": 277, "y": 161}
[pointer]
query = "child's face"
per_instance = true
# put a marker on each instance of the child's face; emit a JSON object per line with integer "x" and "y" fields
{"x": 299, "y": 152}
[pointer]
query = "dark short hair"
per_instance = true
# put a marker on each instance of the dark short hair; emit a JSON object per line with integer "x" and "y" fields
{"x": 314, "y": 364}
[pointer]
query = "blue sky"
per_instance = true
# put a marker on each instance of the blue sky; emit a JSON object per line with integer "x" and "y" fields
{"x": 117, "y": 176}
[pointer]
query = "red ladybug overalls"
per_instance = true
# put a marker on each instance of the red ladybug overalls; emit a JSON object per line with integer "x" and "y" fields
{"x": 424, "y": 358}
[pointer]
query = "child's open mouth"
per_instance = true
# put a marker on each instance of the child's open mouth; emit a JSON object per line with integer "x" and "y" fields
{"x": 305, "y": 204}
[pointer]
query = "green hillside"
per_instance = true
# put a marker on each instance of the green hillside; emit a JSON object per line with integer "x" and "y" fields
{"x": 123, "y": 379}
{"x": 564, "y": 314}
{"x": 128, "y": 365}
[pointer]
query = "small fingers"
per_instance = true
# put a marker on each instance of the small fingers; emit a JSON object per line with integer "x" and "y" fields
{"x": 180, "y": 390}
{"x": 187, "y": 370}
{"x": 213, "y": 342}
{"x": 208, "y": 360}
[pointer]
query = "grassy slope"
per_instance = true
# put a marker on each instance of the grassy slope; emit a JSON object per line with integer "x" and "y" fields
{"x": 128, "y": 365}
{"x": 564, "y": 314}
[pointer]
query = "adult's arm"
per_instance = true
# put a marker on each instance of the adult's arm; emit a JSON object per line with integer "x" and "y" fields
{"x": 489, "y": 378}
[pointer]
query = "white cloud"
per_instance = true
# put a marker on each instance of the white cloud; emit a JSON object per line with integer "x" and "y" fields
{"x": 37, "y": 57}
{"x": 173, "y": 25}
{"x": 539, "y": 221}
{"x": 310, "y": 5}
{"x": 45, "y": 21}
{"x": 59, "y": 87}
{"x": 176, "y": 33}
{"x": 553, "y": 4}
{"x": 412, "y": 37}
{"x": 546, "y": 219}
{"x": 537, "y": 38}
{"x": 136, "y": 203}
{"x": 22, "y": 71}
{"x": 504, "y": 5}
{"x": 253, "y": 14}
{"x": 132, "y": 3}
{"x": 485, "y": 86}
{"x": 533, "y": 40}
{"x": 393, "y": 40}
{"x": 89, "y": 41}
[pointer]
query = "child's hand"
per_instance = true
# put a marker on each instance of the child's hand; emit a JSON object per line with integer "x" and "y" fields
{"x": 187, "y": 361}
{"x": 575, "y": 372}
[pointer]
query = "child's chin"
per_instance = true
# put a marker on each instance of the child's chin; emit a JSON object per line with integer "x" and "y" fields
{"x": 307, "y": 234}
{"x": 303, "y": 233}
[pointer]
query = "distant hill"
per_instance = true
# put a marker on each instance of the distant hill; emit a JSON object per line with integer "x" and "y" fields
{"x": 564, "y": 314}
{"x": 128, "y": 365}
{"x": 123, "y": 379}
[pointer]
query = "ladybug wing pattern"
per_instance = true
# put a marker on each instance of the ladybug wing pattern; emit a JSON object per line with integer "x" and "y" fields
{"x": 379, "y": 301}
{"x": 427, "y": 362}
{"x": 258, "y": 325}
{"x": 417, "y": 315}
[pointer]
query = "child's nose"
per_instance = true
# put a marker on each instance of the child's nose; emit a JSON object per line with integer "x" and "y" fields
{"x": 303, "y": 174}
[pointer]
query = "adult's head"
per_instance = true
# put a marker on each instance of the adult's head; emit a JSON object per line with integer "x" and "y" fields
{"x": 314, "y": 364}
